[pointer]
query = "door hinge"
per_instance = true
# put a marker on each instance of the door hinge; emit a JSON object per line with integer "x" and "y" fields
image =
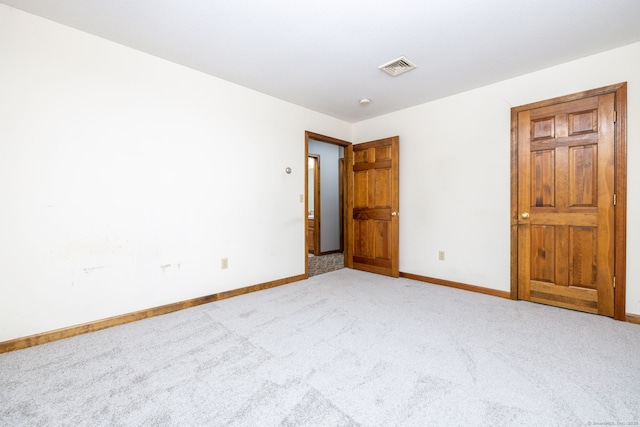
{"x": 615, "y": 199}
{"x": 614, "y": 282}
{"x": 615, "y": 116}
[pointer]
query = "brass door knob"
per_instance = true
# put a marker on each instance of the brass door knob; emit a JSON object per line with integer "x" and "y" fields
{"x": 525, "y": 215}
{"x": 394, "y": 213}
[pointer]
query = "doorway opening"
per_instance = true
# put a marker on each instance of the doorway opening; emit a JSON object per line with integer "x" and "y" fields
{"x": 325, "y": 193}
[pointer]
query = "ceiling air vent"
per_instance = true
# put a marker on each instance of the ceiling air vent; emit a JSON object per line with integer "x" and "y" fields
{"x": 397, "y": 66}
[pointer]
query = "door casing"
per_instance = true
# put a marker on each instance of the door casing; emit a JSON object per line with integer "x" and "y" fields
{"x": 620, "y": 187}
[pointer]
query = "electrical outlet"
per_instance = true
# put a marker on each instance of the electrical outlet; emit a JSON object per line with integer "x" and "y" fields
{"x": 225, "y": 263}
{"x": 302, "y": 198}
{"x": 441, "y": 255}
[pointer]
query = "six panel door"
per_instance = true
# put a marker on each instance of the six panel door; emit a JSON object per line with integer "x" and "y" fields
{"x": 565, "y": 203}
{"x": 372, "y": 243}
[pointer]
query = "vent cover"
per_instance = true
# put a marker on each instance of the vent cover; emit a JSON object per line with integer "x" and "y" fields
{"x": 397, "y": 66}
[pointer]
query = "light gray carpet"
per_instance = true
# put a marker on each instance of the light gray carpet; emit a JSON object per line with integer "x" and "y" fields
{"x": 340, "y": 349}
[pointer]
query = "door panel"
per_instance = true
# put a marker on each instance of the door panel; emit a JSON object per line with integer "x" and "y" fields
{"x": 582, "y": 257}
{"x": 583, "y": 166}
{"x": 566, "y": 168}
{"x": 373, "y": 223}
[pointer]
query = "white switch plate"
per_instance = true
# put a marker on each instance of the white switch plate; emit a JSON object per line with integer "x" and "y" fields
{"x": 224, "y": 263}
{"x": 302, "y": 198}
{"x": 441, "y": 255}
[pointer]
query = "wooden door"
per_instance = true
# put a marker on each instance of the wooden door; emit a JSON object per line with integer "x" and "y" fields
{"x": 566, "y": 204}
{"x": 372, "y": 206}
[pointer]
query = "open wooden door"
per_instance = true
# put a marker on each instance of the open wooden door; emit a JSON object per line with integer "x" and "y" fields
{"x": 567, "y": 191}
{"x": 372, "y": 206}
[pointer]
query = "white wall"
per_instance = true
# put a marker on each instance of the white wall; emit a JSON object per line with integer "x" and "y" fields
{"x": 124, "y": 179}
{"x": 454, "y": 170}
{"x": 329, "y": 194}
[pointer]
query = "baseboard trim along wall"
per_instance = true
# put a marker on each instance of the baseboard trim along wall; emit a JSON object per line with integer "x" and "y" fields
{"x": 58, "y": 334}
{"x": 457, "y": 285}
{"x": 633, "y": 318}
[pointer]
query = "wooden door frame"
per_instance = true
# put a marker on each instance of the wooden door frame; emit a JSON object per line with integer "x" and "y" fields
{"x": 329, "y": 140}
{"x": 620, "y": 188}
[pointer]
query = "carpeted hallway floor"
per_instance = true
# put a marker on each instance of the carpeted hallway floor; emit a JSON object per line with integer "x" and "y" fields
{"x": 325, "y": 263}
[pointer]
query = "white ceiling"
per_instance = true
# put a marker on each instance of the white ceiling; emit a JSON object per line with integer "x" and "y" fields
{"x": 324, "y": 55}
